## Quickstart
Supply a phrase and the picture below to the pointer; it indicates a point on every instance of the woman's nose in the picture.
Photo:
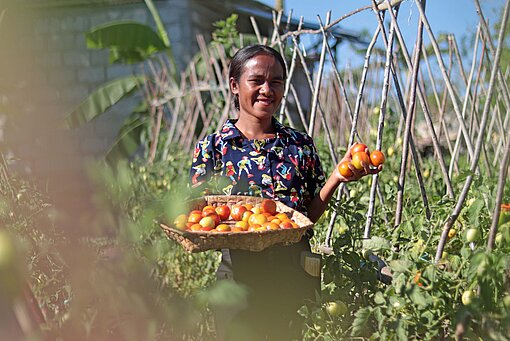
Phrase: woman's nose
(265, 88)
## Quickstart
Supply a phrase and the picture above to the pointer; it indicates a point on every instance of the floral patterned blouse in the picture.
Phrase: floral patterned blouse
(285, 168)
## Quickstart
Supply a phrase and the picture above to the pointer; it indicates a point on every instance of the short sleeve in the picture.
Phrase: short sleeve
(202, 166)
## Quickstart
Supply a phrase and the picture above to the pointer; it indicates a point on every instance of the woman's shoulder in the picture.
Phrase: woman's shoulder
(294, 133)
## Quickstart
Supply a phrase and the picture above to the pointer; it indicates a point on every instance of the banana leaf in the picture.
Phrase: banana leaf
(129, 42)
(128, 139)
(101, 100)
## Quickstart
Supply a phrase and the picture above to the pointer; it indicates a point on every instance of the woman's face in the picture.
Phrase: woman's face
(260, 86)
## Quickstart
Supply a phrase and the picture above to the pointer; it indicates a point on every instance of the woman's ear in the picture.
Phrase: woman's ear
(233, 86)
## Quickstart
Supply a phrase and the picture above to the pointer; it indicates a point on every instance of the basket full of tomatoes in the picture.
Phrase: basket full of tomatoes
(236, 222)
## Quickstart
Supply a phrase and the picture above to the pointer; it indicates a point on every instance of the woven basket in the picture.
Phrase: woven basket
(197, 241)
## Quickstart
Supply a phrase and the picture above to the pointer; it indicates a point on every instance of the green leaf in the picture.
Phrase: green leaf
(418, 298)
(474, 211)
(128, 139)
(360, 320)
(102, 99)
(129, 41)
(400, 265)
(376, 244)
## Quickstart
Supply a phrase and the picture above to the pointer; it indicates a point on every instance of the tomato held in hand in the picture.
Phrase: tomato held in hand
(360, 160)
(377, 158)
(359, 148)
(344, 170)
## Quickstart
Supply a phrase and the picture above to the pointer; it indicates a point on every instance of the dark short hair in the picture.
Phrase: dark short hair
(240, 58)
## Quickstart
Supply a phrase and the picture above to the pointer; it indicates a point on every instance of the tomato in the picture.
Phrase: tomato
(467, 297)
(240, 226)
(237, 212)
(208, 209)
(286, 224)
(180, 221)
(506, 301)
(282, 216)
(499, 238)
(417, 279)
(196, 227)
(248, 206)
(259, 219)
(246, 215)
(472, 235)
(271, 226)
(195, 216)
(377, 158)
(452, 233)
(268, 206)
(359, 148)
(390, 151)
(359, 160)
(336, 308)
(223, 212)
(344, 170)
(207, 223)
(223, 228)
(213, 215)
(256, 209)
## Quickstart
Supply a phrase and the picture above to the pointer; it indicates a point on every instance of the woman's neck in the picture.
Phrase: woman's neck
(254, 128)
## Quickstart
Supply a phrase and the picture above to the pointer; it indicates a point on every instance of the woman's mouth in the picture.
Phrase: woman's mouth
(265, 101)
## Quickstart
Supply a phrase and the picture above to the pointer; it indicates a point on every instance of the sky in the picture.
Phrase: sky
(445, 16)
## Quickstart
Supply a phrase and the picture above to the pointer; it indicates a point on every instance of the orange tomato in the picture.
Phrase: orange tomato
(223, 228)
(237, 212)
(360, 159)
(208, 209)
(377, 158)
(268, 206)
(248, 206)
(196, 227)
(194, 217)
(213, 215)
(271, 226)
(344, 170)
(180, 221)
(282, 216)
(207, 223)
(241, 225)
(286, 224)
(258, 219)
(359, 148)
(246, 215)
(223, 212)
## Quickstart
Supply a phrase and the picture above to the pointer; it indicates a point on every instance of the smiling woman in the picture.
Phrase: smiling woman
(258, 156)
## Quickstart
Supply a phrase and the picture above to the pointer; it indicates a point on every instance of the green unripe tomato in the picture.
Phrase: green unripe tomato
(467, 297)
(336, 308)
(472, 235)
(499, 238)
(506, 301)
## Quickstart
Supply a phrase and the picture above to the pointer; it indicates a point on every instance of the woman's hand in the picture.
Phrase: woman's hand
(356, 173)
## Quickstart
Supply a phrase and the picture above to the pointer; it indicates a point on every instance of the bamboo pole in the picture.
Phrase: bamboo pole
(448, 83)
(353, 132)
(318, 80)
(467, 185)
(380, 127)
(428, 120)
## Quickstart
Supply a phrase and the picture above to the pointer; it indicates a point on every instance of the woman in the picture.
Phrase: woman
(256, 155)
